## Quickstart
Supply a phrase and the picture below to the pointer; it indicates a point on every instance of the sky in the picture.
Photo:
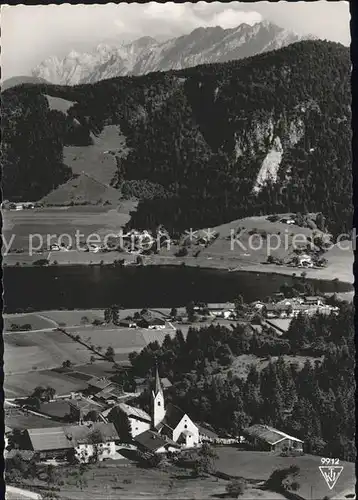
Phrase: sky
(30, 34)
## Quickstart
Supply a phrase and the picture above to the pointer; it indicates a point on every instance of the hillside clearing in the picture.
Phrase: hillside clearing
(98, 159)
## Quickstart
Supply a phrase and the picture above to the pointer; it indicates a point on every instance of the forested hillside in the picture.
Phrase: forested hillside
(270, 133)
(315, 403)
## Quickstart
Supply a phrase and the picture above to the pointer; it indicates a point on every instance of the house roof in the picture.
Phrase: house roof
(99, 383)
(312, 298)
(268, 434)
(165, 383)
(63, 438)
(56, 408)
(7, 429)
(85, 404)
(110, 390)
(131, 411)
(227, 305)
(80, 433)
(153, 441)
(54, 438)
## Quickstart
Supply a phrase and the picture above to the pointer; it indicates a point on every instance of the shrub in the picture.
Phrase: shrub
(235, 488)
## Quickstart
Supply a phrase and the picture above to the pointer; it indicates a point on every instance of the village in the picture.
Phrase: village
(106, 420)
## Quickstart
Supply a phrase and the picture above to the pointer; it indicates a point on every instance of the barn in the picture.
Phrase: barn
(264, 438)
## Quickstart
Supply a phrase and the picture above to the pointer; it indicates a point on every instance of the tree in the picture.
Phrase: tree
(108, 315)
(190, 311)
(80, 479)
(95, 438)
(205, 461)
(284, 479)
(235, 488)
(67, 364)
(110, 353)
(93, 416)
(92, 359)
(173, 312)
(122, 424)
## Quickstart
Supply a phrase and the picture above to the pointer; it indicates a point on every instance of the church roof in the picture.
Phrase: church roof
(173, 416)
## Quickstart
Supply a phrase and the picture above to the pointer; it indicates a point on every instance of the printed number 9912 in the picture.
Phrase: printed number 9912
(330, 461)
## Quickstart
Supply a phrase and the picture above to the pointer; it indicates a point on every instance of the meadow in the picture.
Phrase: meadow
(259, 465)
(56, 221)
(125, 480)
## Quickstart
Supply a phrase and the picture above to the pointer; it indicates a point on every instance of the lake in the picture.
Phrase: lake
(86, 287)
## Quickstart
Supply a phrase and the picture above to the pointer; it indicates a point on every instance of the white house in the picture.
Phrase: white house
(222, 310)
(139, 420)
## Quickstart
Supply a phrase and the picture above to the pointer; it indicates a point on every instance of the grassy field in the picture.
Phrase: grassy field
(34, 358)
(98, 160)
(25, 352)
(241, 364)
(19, 419)
(73, 318)
(252, 257)
(259, 465)
(37, 321)
(59, 221)
(123, 340)
(82, 189)
(124, 480)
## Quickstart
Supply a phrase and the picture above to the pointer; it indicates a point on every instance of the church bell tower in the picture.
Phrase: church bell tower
(158, 409)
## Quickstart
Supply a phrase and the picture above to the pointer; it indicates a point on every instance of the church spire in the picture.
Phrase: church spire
(158, 409)
(158, 385)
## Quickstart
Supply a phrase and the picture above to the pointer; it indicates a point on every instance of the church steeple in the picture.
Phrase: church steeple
(158, 410)
(158, 385)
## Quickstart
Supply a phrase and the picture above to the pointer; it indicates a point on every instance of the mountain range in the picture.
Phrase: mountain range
(198, 146)
(201, 46)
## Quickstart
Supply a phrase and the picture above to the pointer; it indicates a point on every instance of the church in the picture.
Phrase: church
(168, 428)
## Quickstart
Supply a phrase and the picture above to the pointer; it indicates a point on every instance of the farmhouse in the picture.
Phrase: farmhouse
(139, 420)
(80, 408)
(128, 323)
(277, 311)
(265, 438)
(150, 441)
(152, 323)
(222, 310)
(98, 384)
(142, 384)
(314, 301)
(206, 435)
(109, 394)
(80, 439)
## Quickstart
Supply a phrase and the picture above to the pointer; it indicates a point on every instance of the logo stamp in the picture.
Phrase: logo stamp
(331, 470)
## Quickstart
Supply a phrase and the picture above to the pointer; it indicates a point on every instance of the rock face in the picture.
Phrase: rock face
(201, 46)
